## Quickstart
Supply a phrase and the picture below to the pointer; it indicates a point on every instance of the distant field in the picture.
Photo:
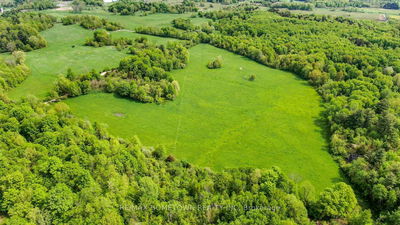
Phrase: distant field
(367, 13)
(48, 63)
(221, 119)
(131, 22)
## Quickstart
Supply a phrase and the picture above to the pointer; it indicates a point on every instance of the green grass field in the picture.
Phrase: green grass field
(221, 119)
(48, 63)
(131, 22)
(365, 13)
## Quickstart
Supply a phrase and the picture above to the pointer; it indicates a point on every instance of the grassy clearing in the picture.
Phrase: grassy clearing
(220, 118)
(367, 13)
(47, 63)
(223, 120)
(131, 22)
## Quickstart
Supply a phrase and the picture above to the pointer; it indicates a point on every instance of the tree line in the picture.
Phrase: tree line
(91, 22)
(130, 7)
(59, 169)
(293, 6)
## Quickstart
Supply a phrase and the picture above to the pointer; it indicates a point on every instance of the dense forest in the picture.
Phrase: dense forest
(354, 65)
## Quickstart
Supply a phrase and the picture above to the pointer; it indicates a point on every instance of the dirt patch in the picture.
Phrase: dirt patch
(64, 6)
(119, 114)
(67, 8)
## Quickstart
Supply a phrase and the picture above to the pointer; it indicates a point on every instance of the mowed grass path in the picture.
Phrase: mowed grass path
(221, 119)
(66, 50)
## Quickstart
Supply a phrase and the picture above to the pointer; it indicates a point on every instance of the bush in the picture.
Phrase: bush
(252, 77)
(100, 38)
(216, 63)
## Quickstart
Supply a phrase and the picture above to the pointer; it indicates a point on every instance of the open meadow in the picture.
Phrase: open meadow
(219, 120)
(66, 50)
(188, 112)
(222, 120)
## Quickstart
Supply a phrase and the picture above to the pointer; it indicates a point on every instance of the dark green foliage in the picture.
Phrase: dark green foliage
(252, 77)
(293, 6)
(193, 37)
(335, 202)
(103, 38)
(100, 38)
(220, 14)
(38, 5)
(142, 76)
(91, 22)
(391, 5)
(21, 31)
(130, 7)
(93, 2)
(62, 170)
(184, 24)
(341, 4)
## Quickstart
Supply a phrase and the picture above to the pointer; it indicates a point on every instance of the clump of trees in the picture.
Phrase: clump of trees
(38, 5)
(194, 37)
(19, 5)
(221, 14)
(20, 31)
(182, 23)
(103, 38)
(90, 22)
(391, 5)
(13, 70)
(130, 7)
(142, 77)
(215, 63)
(293, 6)
(100, 38)
(93, 2)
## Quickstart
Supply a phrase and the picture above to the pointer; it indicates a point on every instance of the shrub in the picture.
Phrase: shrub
(216, 63)
(252, 77)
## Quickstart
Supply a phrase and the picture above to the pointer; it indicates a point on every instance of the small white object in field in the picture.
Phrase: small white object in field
(241, 68)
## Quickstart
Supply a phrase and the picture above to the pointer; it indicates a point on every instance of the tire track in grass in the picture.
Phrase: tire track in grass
(178, 126)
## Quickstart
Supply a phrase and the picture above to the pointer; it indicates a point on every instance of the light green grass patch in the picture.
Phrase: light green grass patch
(131, 22)
(66, 50)
(221, 119)
(366, 14)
